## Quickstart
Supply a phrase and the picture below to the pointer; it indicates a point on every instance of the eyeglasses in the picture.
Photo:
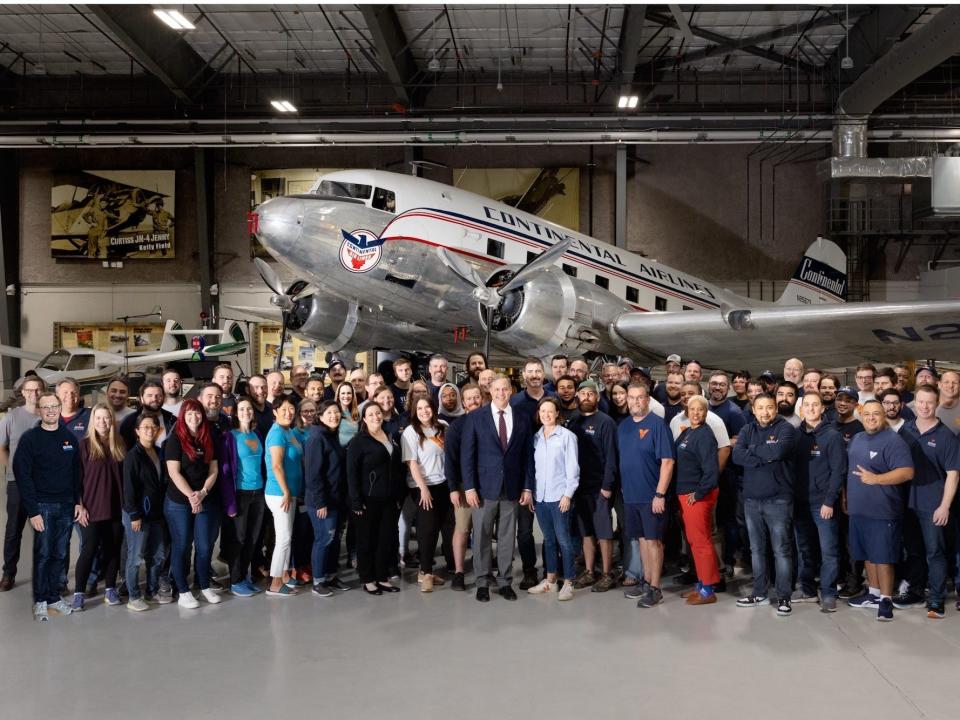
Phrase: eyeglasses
(49, 407)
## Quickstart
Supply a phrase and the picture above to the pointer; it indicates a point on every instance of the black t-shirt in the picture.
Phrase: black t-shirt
(195, 471)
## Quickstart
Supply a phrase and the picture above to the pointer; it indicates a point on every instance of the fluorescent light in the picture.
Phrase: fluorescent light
(628, 101)
(623, 102)
(283, 106)
(288, 106)
(174, 19)
(634, 101)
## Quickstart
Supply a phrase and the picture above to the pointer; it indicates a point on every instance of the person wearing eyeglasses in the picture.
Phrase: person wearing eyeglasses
(12, 427)
(865, 374)
(47, 467)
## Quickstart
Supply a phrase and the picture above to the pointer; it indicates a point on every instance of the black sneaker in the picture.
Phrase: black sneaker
(410, 560)
(720, 587)
(686, 578)
(635, 592)
(885, 610)
(322, 590)
(935, 611)
(783, 607)
(849, 591)
(458, 582)
(752, 601)
(337, 584)
(650, 598)
(530, 579)
(907, 600)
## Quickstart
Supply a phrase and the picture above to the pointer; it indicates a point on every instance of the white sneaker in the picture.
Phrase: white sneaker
(544, 586)
(138, 605)
(40, 612)
(188, 601)
(566, 592)
(210, 595)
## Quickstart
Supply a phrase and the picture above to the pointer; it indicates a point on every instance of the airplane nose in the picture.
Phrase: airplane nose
(279, 224)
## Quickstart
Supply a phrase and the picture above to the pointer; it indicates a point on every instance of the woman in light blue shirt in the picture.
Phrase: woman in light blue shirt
(554, 473)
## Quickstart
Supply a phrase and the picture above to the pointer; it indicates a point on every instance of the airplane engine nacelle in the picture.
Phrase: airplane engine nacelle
(553, 312)
(332, 322)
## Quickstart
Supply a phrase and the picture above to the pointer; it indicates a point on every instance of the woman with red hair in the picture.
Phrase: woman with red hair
(192, 505)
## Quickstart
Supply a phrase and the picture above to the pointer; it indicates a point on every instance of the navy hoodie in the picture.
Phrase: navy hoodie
(821, 465)
(766, 456)
(325, 469)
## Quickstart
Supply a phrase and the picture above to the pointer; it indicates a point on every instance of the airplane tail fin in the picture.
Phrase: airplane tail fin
(821, 276)
(172, 341)
(232, 332)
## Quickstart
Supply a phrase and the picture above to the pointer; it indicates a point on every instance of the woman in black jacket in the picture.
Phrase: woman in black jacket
(375, 478)
(325, 492)
(144, 487)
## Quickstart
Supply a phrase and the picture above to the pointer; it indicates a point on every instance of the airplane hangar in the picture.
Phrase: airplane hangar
(137, 143)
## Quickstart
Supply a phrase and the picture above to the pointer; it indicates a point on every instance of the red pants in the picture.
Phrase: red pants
(698, 523)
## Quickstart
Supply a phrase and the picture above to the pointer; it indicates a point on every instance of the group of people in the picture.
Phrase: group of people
(819, 489)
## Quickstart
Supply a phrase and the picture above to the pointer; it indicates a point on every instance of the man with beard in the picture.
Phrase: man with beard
(263, 410)
(558, 368)
(299, 377)
(151, 400)
(567, 394)
(485, 381)
(949, 408)
(845, 407)
(579, 370)
(476, 364)
(403, 371)
(828, 393)
(886, 379)
(893, 408)
(276, 386)
(314, 390)
(726, 508)
(437, 369)
(672, 406)
(672, 365)
(117, 393)
(851, 573)
(597, 450)
(472, 398)
(533, 392)
(223, 376)
(787, 403)
(173, 391)
(337, 372)
(811, 383)
(610, 376)
(903, 383)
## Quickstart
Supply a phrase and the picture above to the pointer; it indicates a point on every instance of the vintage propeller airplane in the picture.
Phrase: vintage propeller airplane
(398, 262)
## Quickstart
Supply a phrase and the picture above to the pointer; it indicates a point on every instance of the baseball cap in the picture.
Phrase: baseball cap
(849, 392)
(768, 375)
(626, 361)
(929, 369)
(642, 370)
(334, 363)
(589, 384)
(674, 358)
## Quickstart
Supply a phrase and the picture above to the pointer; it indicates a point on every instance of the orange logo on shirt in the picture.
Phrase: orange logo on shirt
(643, 433)
(253, 444)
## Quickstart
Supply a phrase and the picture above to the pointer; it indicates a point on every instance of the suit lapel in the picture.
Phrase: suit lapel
(492, 427)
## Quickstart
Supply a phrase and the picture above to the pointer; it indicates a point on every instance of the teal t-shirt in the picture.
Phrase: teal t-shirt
(348, 429)
(250, 457)
(292, 461)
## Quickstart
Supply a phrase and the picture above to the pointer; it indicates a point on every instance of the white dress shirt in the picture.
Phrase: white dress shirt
(508, 418)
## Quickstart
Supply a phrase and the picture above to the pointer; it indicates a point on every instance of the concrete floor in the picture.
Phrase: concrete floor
(443, 654)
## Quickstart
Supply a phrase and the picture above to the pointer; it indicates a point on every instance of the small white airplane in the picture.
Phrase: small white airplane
(398, 262)
(90, 367)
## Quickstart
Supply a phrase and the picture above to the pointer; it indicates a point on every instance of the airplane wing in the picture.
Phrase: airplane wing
(16, 352)
(826, 335)
(211, 351)
(271, 313)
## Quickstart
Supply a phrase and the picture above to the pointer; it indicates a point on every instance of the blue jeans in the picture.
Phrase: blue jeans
(50, 550)
(632, 561)
(774, 516)
(818, 544)
(146, 545)
(324, 532)
(926, 546)
(555, 526)
(187, 529)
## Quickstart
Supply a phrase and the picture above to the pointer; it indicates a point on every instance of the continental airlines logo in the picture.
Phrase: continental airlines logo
(360, 251)
(822, 276)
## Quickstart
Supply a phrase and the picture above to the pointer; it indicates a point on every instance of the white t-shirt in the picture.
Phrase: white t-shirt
(173, 408)
(680, 423)
(429, 455)
(656, 407)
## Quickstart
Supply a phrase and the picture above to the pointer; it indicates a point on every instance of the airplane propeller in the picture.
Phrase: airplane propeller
(283, 299)
(491, 297)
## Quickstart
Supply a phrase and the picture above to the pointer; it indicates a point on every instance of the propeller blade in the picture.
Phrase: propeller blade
(269, 276)
(460, 268)
(540, 263)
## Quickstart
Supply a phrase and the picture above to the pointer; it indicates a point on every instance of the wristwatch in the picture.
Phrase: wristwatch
(659, 495)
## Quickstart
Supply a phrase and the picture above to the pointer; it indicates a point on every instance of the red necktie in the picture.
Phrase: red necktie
(503, 431)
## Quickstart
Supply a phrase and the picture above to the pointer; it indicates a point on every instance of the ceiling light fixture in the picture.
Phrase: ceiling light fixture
(628, 101)
(283, 106)
(174, 19)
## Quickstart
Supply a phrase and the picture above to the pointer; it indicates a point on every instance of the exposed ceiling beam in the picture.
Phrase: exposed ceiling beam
(732, 44)
(393, 51)
(682, 22)
(163, 52)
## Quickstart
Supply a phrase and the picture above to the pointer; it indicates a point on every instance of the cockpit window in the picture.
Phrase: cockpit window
(384, 200)
(344, 189)
(57, 360)
(81, 362)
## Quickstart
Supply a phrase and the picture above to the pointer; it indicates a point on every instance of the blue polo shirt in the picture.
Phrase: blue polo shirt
(935, 452)
(642, 445)
(879, 453)
(731, 415)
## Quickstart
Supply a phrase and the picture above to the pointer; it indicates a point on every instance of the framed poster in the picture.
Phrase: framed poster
(108, 337)
(550, 193)
(113, 214)
(296, 351)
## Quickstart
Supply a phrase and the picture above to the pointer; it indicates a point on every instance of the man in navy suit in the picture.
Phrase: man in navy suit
(496, 443)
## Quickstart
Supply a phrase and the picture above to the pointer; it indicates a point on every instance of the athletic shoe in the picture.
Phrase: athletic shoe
(165, 596)
(77, 604)
(59, 608)
(530, 579)
(188, 601)
(40, 612)
(293, 583)
(138, 605)
(241, 590)
(214, 583)
(688, 577)
(828, 605)
(635, 592)
(721, 586)
(410, 561)
(338, 585)
(783, 607)
(850, 591)
(566, 592)
(607, 581)
(866, 600)
(751, 601)
(584, 579)
(802, 596)
(248, 584)
(151, 599)
(885, 610)
(321, 590)
(458, 583)
(651, 597)
(935, 611)
(543, 587)
(111, 597)
(210, 595)
(907, 600)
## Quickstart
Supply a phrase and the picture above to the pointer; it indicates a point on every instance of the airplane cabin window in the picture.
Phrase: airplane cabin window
(81, 362)
(570, 270)
(530, 255)
(602, 281)
(57, 360)
(687, 307)
(495, 248)
(384, 200)
(633, 295)
(661, 303)
(344, 190)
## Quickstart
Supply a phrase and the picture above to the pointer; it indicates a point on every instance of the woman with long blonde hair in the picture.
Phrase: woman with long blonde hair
(101, 460)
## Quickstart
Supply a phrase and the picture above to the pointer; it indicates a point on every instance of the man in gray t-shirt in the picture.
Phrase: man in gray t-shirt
(12, 427)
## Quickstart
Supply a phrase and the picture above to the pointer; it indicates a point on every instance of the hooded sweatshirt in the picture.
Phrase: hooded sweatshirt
(766, 456)
(821, 465)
